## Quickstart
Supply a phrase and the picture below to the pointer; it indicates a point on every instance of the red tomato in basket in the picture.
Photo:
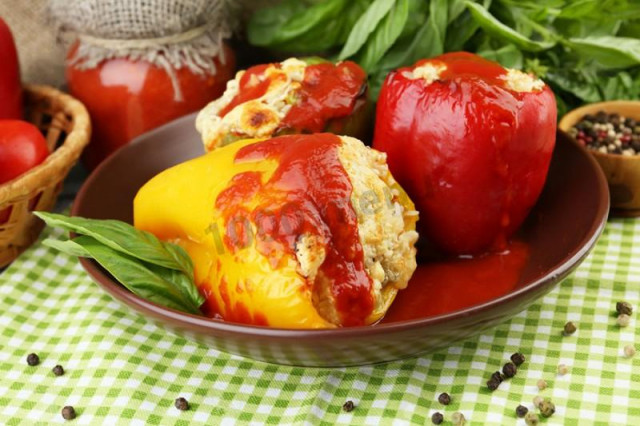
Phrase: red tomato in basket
(10, 88)
(22, 147)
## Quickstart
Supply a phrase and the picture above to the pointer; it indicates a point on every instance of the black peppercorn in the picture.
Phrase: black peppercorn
(68, 413)
(348, 406)
(58, 370)
(569, 328)
(517, 358)
(497, 377)
(33, 359)
(521, 411)
(509, 369)
(444, 398)
(493, 384)
(624, 308)
(437, 418)
(182, 404)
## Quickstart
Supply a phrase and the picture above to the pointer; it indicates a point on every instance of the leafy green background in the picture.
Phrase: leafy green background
(587, 50)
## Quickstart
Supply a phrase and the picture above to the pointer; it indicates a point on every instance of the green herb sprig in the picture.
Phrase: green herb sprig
(155, 270)
(587, 50)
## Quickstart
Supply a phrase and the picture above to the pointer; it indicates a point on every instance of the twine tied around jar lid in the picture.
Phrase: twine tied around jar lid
(170, 34)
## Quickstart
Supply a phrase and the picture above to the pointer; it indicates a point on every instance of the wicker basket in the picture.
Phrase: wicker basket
(67, 128)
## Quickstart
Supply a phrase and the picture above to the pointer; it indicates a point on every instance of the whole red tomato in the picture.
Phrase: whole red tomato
(22, 147)
(470, 142)
(10, 88)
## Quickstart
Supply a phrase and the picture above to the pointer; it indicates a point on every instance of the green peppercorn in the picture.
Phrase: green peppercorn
(437, 418)
(458, 419)
(569, 328)
(624, 308)
(531, 418)
(547, 408)
(521, 411)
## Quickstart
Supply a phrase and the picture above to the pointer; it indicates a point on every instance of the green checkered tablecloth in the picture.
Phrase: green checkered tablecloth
(121, 369)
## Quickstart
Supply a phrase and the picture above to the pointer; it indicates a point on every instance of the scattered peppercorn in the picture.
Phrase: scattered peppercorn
(444, 398)
(33, 359)
(181, 404)
(437, 418)
(608, 133)
(629, 351)
(348, 406)
(542, 384)
(58, 370)
(458, 419)
(509, 369)
(569, 328)
(497, 377)
(68, 413)
(537, 400)
(562, 369)
(547, 408)
(521, 411)
(623, 320)
(493, 384)
(517, 358)
(531, 418)
(624, 308)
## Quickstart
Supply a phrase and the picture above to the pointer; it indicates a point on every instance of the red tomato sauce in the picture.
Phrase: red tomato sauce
(308, 193)
(441, 287)
(326, 92)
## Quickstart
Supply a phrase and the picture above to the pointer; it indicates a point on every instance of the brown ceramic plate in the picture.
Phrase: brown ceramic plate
(559, 233)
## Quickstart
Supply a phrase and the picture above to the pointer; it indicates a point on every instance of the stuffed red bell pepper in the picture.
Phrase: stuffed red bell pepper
(471, 142)
(294, 96)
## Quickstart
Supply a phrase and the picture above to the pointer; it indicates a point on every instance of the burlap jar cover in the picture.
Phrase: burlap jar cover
(170, 34)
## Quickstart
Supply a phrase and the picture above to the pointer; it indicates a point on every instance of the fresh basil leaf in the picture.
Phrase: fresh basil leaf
(150, 282)
(384, 36)
(437, 25)
(499, 30)
(610, 52)
(365, 26)
(460, 31)
(126, 239)
(508, 56)
(575, 84)
(427, 42)
(69, 247)
(620, 86)
(266, 22)
(579, 9)
(311, 18)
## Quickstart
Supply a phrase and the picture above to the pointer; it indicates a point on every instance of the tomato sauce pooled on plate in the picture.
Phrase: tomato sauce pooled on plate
(440, 287)
(308, 193)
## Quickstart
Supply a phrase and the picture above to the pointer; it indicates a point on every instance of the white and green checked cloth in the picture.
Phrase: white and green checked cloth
(121, 369)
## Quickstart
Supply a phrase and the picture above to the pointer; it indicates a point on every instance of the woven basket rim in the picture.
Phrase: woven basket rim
(60, 158)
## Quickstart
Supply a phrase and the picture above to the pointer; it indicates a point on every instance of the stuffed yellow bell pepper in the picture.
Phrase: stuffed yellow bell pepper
(297, 231)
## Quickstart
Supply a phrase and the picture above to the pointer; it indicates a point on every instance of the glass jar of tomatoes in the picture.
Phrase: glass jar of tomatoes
(128, 97)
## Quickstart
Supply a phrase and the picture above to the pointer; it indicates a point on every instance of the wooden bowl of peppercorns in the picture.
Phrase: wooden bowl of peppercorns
(610, 131)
